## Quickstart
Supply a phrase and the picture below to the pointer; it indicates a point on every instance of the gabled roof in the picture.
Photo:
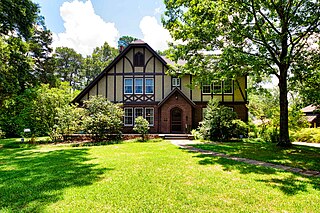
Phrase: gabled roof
(310, 108)
(137, 43)
(174, 91)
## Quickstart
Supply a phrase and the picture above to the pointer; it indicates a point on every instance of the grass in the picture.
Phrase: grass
(144, 177)
(303, 157)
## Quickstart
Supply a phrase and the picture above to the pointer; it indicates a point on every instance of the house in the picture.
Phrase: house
(312, 114)
(137, 78)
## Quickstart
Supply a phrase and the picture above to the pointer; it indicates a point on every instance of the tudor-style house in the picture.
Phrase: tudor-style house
(137, 78)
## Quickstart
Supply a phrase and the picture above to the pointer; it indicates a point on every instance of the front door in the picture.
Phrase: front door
(176, 120)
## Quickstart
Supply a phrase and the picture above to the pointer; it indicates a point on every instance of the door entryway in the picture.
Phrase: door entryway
(176, 120)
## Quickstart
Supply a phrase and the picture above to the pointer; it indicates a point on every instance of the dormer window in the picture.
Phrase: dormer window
(176, 82)
(138, 60)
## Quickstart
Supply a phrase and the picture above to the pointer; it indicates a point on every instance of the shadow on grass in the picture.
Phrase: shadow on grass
(291, 185)
(30, 180)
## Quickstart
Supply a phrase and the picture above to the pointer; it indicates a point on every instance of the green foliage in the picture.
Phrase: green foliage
(218, 122)
(258, 38)
(68, 120)
(18, 16)
(2, 133)
(35, 109)
(126, 40)
(103, 118)
(68, 66)
(141, 125)
(310, 135)
(94, 64)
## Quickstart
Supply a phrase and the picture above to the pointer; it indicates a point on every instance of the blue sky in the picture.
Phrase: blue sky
(85, 24)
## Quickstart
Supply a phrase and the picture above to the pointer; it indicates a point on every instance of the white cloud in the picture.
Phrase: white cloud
(154, 34)
(84, 30)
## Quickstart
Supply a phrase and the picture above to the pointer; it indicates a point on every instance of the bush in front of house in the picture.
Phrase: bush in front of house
(141, 126)
(102, 119)
(221, 123)
(309, 135)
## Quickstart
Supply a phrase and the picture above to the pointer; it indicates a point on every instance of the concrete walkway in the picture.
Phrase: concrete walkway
(307, 144)
(185, 144)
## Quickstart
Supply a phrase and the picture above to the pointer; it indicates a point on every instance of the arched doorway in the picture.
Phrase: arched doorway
(176, 120)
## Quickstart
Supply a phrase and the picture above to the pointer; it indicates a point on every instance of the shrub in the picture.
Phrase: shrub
(102, 118)
(68, 121)
(217, 123)
(240, 128)
(310, 135)
(141, 126)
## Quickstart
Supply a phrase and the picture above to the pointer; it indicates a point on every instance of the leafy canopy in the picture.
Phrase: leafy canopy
(244, 37)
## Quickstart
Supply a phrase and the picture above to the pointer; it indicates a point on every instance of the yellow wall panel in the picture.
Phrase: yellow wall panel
(185, 82)
(158, 88)
(102, 87)
(110, 84)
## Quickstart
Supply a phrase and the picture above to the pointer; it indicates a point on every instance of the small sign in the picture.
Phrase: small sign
(26, 130)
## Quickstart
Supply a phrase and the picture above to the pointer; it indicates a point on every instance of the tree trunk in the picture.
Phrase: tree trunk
(284, 140)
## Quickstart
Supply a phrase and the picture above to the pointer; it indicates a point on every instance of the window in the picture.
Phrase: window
(149, 115)
(138, 86)
(176, 82)
(227, 87)
(217, 89)
(138, 60)
(128, 117)
(206, 89)
(138, 112)
(149, 86)
(128, 85)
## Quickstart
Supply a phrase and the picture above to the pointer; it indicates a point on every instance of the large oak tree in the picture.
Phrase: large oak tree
(251, 37)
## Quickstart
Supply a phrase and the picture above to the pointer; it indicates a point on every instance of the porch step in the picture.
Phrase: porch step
(176, 136)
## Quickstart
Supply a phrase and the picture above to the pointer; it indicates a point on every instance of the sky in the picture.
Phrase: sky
(86, 24)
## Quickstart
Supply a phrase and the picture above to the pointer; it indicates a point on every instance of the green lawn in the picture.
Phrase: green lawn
(303, 157)
(144, 177)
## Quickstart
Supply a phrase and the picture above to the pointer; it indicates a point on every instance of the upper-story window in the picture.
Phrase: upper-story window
(227, 87)
(128, 86)
(217, 87)
(176, 82)
(206, 89)
(138, 85)
(149, 86)
(138, 59)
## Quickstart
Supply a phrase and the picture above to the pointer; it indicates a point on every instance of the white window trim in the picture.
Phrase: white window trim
(145, 85)
(220, 83)
(124, 87)
(124, 117)
(145, 114)
(210, 89)
(135, 110)
(176, 82)
(135, 86)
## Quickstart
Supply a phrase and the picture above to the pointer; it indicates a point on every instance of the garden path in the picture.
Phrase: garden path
(186, 144)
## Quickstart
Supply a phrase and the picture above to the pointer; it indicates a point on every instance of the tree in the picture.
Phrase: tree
(68, 66)
(141, 126)
(35, 108)
(40, 51)
(18, 16)
(246, 37)
(126, 40)
(218, 122)
(100, 59)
